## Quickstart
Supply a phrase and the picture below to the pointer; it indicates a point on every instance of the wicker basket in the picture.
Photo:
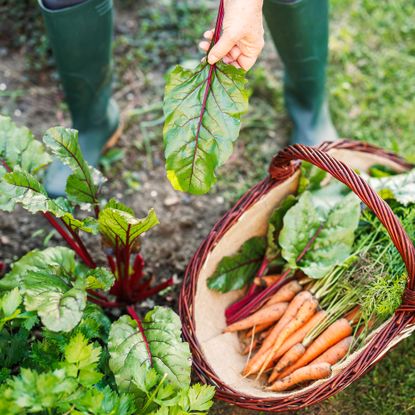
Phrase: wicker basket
(216, 356)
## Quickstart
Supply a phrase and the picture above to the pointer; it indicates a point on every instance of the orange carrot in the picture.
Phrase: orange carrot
(255, 364)
(336, 352)
(266, 280)
(287, 360)
(249, 347)
(306, 373)
(305, 312)
(299, 335)
(332, 335)
(286, 293)
(267, 314)
(258, 329)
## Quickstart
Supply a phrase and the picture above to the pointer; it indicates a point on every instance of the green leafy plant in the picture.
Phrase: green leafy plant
(202, 109)
(23, 160)
(59, 352)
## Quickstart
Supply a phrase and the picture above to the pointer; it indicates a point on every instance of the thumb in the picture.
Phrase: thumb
(220, 49)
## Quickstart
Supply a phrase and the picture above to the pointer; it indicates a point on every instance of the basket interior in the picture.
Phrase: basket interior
(222, 351)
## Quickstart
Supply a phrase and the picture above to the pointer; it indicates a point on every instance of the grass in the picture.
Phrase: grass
(371, 89)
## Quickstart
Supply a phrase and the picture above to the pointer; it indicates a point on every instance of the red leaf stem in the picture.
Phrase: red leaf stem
(134, 315)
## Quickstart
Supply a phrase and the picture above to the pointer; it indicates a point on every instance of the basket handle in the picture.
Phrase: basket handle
(286, 162)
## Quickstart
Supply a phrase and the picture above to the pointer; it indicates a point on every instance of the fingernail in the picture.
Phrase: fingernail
(212, 59)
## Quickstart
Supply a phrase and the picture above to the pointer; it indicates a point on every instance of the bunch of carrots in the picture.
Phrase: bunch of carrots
(283, 339)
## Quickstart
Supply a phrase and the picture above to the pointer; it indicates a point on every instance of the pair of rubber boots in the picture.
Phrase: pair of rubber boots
(81, 33)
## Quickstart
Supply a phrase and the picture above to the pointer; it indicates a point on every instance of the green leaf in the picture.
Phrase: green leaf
(99, 279)
(235, 271)
(334, 241)
(10, 302)
(202, 108)
(310, 178)
(129, 357)
(275, 224)
(59, 259)
(59, 306)
(84, 183)
(81, 360)
(119, 225)
(400, 187)
(19, 148)
(200, 398)
(38, 392)
(25, 189)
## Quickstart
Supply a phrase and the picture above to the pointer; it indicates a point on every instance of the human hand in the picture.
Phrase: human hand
(242, 38)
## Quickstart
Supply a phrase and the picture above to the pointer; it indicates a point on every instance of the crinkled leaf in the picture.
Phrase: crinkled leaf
(115, 204)
(202, 108)
(10, 302)
(83, 184)
(59, 260)
(275, 224)
(118, 224)
(25, 189)
(59, 306)
(335, 234)
(19, 148)
(235, 271)
(99, 279)
(200, 398)
(129, 357)
(400, 187)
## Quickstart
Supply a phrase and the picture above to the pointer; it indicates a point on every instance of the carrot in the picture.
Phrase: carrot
(336, 352)
(267, 280)
(264, 315)
(305, 312)
(306, 373)
(332, 335)
(300, 334)
(287, 360)
(286, 293)
(255, 364)
(258, 329)
(249, 347)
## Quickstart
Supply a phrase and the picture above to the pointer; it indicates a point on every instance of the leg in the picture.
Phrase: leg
(299, 29)
(81, 38)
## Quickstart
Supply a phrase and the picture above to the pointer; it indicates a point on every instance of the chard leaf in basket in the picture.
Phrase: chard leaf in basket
(235, 271)
(84, 182)
(275, 224)
(311, 177)
(129, 358)
(322, 242)
(202, 108)
(400, 187)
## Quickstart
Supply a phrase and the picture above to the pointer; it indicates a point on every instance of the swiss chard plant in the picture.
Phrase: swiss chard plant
(59, 352)
(202, 108)
(116, 227)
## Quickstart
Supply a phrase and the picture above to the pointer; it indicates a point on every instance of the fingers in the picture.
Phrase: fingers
(204, 45)
(221, 49)
(246, 62)
(208, 35)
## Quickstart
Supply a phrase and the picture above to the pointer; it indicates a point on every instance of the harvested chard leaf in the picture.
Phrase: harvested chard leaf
(400, 187)
(275, 224)
(83, 184)
(327, 239)
(128, 353)
(202, 108)
(237, 270)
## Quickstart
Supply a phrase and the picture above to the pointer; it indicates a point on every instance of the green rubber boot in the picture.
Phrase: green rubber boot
(299, 29)
(81, 40)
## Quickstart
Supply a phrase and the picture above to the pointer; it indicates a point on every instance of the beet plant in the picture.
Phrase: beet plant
(59, 352)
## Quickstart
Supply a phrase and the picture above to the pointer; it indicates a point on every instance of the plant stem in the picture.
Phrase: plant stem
(81, 244)
(134, 315)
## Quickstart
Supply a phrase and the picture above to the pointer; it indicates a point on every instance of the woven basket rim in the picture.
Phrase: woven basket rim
(398, 327)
